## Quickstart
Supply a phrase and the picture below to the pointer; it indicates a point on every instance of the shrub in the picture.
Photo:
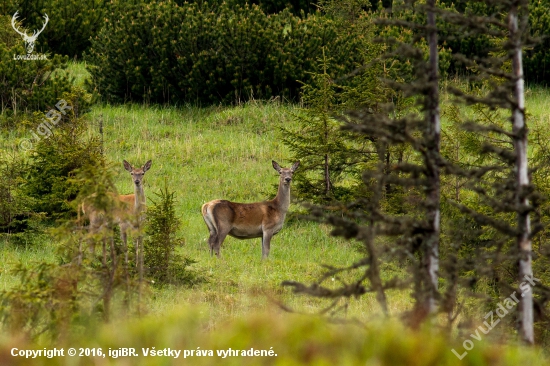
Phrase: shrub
(268, 6)
(163, 52)
(162, 264)
(73, 23)
(14, 213)
(55, 158)
(43, 301)
(537, 60)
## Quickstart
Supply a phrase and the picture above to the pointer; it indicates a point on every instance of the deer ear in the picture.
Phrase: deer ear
(276, 166)
(295, 166)
(147, 166)
(127, 166)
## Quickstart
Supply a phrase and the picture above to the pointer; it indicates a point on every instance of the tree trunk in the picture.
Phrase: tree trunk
(520, 145)
(327, 177)
(431, 250)
(388, 187)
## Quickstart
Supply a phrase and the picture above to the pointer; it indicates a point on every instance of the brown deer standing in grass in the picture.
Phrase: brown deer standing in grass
(249, 220)
(129, 207)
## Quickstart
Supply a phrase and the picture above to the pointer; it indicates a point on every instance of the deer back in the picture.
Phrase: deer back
(247, 217)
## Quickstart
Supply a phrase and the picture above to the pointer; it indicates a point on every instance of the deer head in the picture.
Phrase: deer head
(29, 40)
(137, 173)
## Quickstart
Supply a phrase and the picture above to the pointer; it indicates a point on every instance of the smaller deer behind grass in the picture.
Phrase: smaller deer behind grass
(249, 220)
(129, 208)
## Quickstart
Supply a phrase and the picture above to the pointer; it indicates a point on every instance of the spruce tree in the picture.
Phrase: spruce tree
(411, 236)
(498, 199)
(327, 154)
(162, 264)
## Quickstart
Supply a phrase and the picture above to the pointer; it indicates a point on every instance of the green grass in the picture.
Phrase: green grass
(76, 70)
(223, 153)
(226, 153)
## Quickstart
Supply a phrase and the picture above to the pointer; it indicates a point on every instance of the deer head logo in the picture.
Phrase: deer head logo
(29, 40)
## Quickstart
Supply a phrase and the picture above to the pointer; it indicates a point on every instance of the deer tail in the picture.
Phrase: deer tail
(208, 217)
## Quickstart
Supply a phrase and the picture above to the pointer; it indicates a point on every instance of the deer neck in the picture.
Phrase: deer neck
(139, 194)
(283, 197)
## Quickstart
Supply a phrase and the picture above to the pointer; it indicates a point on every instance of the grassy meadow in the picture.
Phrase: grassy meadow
(226, 152)
(206, 154)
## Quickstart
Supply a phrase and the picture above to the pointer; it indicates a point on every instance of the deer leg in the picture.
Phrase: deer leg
(218, 243)
(266, 243)
(139, 252)
(212, 241)
(93, 227)
(123, 236)
(208, 220)
(222, 234)
(124, 239)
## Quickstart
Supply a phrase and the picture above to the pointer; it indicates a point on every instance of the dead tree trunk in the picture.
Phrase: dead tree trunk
(431, 250)
(519, 130)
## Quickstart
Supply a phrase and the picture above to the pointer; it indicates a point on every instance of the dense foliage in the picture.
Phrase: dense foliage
(163, 52)
(537, 60)
(14, 210)
(73, 25)
(268, 6)
(54, 158)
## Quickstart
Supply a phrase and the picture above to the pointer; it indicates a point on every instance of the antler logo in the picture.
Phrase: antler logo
(29, 40)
